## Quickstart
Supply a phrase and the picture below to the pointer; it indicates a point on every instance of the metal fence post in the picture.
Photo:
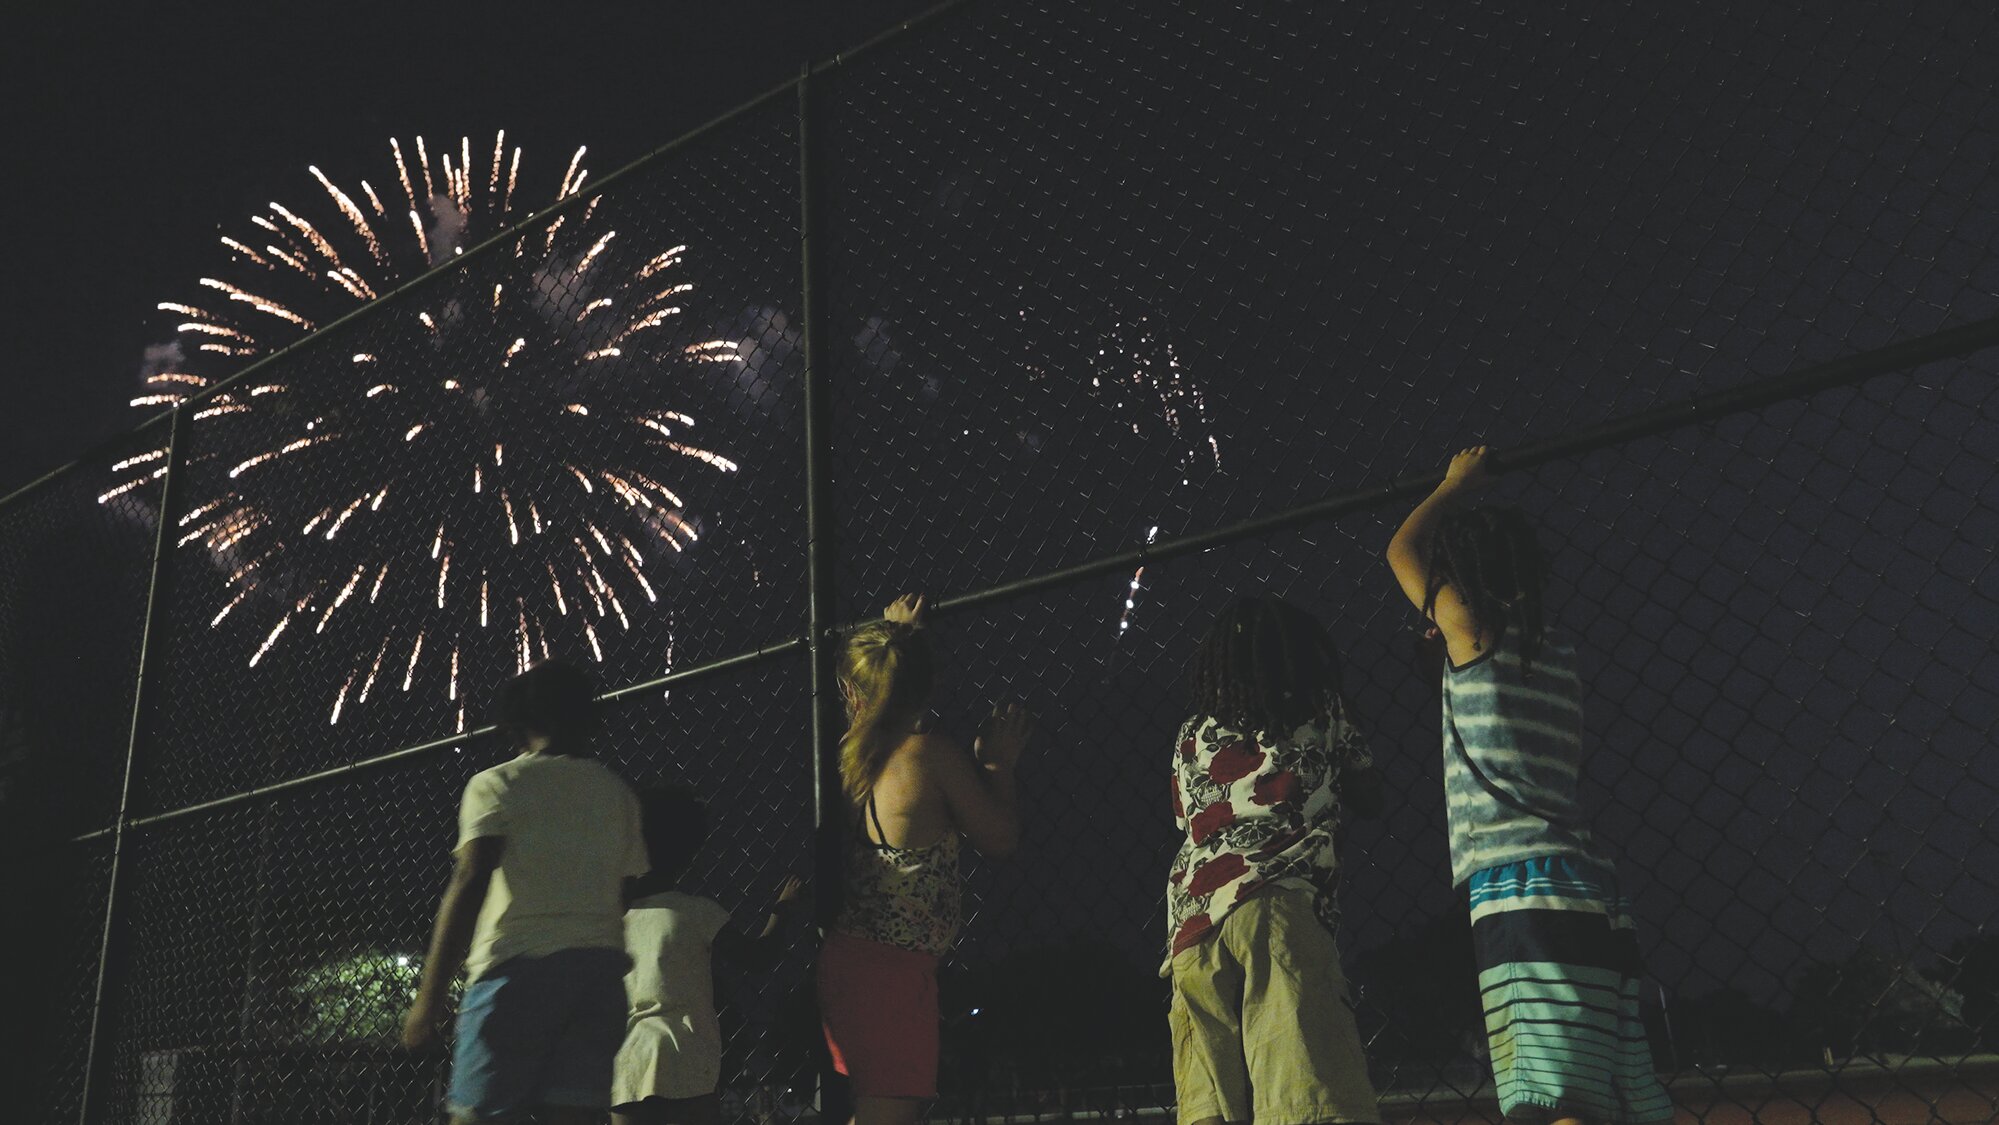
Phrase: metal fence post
(93, 1062)
(820, 556)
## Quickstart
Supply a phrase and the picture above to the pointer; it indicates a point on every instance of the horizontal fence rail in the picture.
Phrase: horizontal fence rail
(1958, 343)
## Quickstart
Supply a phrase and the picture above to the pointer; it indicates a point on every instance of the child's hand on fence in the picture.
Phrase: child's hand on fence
(789, 890)
(906, 610)
(1470, 470)
(1004, 739)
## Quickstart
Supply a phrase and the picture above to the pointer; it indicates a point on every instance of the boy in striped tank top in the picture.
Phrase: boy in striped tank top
(1557, 952)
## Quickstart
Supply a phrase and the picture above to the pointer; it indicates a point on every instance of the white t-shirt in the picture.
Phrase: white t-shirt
(572, 836)
(673, 1044)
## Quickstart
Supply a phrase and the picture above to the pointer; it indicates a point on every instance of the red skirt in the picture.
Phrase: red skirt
(878, 1006)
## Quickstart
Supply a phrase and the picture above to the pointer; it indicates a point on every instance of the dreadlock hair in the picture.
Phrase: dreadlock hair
(886, 671)
(675, 824)
(1266, 665)
(1492, 558)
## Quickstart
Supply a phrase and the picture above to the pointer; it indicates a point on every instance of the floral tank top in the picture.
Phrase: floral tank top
(906, 897)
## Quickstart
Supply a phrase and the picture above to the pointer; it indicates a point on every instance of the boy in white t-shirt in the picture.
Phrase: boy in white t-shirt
(534, 912)
(671, 1063)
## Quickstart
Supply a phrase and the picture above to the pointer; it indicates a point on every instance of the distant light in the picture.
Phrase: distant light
(402, 962)
(975, 1011)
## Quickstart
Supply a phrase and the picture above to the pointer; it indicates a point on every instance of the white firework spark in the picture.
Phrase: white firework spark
(421, 545)
(1137, 368)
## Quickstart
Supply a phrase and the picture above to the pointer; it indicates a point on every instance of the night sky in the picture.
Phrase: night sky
(1094, 275)
(140, 132)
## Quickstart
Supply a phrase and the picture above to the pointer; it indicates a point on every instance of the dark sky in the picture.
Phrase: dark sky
(137, 132)
(1367, 235)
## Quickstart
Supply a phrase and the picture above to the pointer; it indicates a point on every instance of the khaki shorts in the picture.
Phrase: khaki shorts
(1262, 1028)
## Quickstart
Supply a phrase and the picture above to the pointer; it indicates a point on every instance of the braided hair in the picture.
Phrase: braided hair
(1492, 558)
(1266, 665)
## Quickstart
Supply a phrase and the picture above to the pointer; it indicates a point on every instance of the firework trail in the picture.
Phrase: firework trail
(1137, 367)
(494, 474)
(1137, 583)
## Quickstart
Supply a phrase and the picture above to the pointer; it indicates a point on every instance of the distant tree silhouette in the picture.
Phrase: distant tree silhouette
(1725, 1027)
(1971, 969)
(1872, 1003)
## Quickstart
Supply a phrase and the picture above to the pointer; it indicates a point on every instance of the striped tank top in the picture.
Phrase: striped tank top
(1513, 756)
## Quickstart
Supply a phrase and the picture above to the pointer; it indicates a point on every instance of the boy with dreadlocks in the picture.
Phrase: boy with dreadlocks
(1262, 1026)
(1557, 952)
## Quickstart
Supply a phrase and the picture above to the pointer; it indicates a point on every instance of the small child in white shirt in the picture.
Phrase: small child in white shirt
(671, 1063)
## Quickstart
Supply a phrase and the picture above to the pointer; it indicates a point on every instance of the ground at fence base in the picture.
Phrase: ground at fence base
(1912, 1091)
(1892, 1091)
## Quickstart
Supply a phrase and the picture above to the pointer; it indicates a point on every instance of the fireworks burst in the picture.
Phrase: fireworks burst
(1138, 368)
(494, 471)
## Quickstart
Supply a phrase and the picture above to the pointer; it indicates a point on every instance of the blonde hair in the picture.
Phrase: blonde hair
(885, 671)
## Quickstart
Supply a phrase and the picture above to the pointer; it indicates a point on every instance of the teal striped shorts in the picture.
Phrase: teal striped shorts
(1558, 971)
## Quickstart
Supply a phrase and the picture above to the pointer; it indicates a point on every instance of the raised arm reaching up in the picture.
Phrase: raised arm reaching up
(1412, 551)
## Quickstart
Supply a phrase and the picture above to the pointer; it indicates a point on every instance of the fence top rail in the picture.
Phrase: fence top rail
(1906, 355)
(1949, 343)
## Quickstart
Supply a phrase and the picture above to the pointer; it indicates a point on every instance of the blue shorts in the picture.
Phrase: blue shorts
(540, 1031)
(1558, 971)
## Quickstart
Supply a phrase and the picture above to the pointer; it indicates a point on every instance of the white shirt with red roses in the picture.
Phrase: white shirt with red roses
(1257, 811)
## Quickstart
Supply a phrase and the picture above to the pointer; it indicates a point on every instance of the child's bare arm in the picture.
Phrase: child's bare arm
(1409, 550)
(451, 937)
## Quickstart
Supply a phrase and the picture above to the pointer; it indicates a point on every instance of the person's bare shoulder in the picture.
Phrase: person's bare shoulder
(937, 756)
(928, 744)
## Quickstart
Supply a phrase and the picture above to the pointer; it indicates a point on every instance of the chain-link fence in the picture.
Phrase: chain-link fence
(1082, 318)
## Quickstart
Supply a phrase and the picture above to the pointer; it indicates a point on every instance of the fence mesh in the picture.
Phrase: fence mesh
(75, 560)
(1092, 276)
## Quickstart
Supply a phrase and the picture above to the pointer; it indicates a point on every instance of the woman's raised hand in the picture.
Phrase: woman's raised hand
(1004, 738)
(906, 610)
